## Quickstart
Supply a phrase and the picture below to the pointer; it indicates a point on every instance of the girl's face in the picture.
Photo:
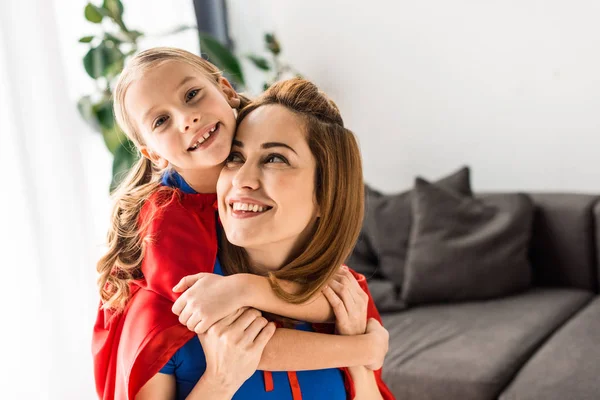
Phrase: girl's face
(185, 119)
(266, 190)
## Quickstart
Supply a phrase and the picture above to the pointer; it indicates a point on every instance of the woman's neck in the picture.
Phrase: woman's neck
(272, 257)
(202, 181)
(267, 258)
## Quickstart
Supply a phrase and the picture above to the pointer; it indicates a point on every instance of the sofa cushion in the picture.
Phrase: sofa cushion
(363, 258)
(463, 248)
(563, 247)
(388, 222)
(471, 350)
(567, 366)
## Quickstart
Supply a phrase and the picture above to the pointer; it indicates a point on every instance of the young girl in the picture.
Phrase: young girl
(179, 112)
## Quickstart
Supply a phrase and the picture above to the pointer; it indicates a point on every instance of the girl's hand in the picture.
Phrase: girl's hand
(234, 346)
(349, 303)
(206, 299)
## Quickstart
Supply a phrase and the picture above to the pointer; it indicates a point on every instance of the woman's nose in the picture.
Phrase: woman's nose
(247, 177)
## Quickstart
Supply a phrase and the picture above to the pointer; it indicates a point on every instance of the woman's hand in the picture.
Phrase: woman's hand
(349, 303)
(234, 346)
(206, 299)
(380, 338)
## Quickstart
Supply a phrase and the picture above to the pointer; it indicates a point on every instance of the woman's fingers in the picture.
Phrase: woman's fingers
(344, 291)
(254, 329)
(243, 321)
(339, 309)
(264, 336)
(223, 324)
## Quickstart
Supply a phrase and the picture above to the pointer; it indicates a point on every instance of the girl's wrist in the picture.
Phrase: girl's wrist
(245, 285)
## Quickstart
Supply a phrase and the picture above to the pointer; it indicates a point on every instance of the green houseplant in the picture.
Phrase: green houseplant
(106, 58)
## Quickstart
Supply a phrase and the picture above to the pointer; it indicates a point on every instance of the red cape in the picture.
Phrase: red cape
(131, 347)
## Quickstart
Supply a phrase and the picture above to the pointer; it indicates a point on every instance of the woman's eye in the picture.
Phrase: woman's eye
(234, 158)
(276, 159)
(191, 94)
(159, 122)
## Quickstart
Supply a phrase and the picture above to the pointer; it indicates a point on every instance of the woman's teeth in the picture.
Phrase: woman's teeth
(248, 207)
(204, 138)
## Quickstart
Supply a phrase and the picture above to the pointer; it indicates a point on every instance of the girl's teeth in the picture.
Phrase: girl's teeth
(206, 135)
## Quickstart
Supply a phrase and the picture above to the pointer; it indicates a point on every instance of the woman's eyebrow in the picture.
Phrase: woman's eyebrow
(268, 145)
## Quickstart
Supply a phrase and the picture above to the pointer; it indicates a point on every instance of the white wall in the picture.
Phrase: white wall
(511, 88)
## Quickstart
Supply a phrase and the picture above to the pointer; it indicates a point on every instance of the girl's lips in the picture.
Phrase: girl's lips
(208, 141)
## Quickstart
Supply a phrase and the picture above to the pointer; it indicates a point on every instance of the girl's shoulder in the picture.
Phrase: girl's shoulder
(171, 207)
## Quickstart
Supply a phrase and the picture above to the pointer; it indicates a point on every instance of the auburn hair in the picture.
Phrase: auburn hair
(122, 262)
(338, 188)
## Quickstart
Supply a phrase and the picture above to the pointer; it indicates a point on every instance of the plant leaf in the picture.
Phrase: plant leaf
(272, 43)
(113, 138)
(104, 114)
(94, 62)
(99, 60)
(93, 13)
(86, 39)
(114, 8)
(220, 55)
(259, 62)
(114, 38)
(124, 157)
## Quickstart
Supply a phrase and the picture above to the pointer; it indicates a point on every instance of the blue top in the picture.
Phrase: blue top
(189, 363)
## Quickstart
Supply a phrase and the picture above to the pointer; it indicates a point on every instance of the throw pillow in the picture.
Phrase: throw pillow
(388, 221)
(463, 248)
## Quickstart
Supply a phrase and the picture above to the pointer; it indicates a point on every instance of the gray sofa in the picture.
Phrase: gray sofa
(539, 343)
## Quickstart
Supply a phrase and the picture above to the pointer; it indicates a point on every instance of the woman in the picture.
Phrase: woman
(290, 201)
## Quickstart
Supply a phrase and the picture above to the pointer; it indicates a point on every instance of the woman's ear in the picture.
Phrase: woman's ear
(230, 94)
(154, 157)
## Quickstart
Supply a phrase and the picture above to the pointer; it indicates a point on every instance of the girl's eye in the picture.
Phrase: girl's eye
(159, 122)
(234, 158)
(276, 159)
(191, 94)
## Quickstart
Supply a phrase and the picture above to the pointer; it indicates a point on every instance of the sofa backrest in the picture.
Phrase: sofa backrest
(564, 248)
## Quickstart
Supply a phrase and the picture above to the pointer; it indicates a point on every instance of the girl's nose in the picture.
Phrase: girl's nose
(190, 124)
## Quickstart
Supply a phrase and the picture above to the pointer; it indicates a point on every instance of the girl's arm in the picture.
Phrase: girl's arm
(207, 298)
(288, 350)
(294, 350)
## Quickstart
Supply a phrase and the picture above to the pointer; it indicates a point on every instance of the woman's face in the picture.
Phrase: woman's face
(185, 118)
(267, 189)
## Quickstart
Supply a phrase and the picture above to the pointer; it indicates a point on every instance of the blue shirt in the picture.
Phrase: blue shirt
(189, 362)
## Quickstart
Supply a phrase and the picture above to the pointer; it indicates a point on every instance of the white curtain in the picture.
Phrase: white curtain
(54, 196)
(48, 279)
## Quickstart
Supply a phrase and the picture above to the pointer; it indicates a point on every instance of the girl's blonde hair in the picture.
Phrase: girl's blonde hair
(121, 263)
(338, 185)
